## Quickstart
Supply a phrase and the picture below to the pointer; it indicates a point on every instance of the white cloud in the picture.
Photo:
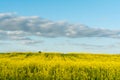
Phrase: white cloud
(29, 42)
(17, 27)
(19, 38)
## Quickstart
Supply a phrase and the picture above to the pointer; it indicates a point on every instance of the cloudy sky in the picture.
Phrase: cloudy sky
(63, 26)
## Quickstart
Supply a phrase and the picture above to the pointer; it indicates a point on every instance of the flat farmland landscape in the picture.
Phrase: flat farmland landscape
(59, 66)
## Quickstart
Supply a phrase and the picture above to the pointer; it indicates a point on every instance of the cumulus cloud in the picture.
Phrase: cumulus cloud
(17, 27)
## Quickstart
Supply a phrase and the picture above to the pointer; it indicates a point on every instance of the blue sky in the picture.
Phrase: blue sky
(64, 25)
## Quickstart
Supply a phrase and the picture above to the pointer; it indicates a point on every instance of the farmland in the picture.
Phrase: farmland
(58, 66)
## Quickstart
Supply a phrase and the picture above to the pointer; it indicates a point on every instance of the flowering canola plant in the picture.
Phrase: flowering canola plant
(58, 66)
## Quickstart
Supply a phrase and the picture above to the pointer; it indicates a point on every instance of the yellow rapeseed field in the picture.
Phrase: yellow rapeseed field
(58, 66)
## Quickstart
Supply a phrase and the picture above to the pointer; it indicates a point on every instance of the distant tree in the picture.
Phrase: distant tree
(39, 51)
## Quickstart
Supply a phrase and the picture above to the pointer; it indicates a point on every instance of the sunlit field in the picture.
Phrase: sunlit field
(58, 66)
